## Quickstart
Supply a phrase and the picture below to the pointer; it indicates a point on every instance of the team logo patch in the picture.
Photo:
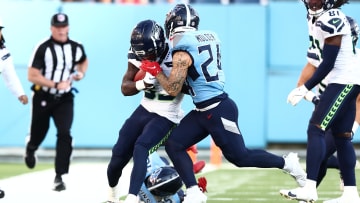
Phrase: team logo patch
(61, 17)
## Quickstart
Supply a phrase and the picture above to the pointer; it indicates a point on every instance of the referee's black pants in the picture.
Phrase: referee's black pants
(61, 109)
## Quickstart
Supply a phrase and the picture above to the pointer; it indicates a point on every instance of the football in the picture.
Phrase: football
(139, 75)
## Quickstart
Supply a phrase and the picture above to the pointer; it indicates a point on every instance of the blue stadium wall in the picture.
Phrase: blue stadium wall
(263, 52)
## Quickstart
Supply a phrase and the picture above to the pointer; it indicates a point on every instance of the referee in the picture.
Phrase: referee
(55, 63)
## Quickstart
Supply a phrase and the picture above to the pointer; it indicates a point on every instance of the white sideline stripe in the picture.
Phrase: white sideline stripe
(85, 183)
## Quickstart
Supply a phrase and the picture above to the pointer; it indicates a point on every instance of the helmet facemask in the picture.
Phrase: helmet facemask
(148, 40)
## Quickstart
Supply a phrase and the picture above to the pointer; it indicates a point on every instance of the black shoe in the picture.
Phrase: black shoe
(59, 185)
(30, 159)
(2, 194)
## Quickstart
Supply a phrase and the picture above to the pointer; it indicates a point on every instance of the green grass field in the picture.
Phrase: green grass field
(229, 184)
(13, 169)
(261, 185)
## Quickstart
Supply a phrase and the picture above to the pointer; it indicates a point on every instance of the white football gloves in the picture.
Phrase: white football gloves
(149, 79)
(297, 94)
(146, 83)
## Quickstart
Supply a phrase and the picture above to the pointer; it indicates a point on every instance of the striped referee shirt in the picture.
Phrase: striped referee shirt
(57, 61)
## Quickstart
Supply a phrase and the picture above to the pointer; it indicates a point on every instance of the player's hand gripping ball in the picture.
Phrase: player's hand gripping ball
(139, 75)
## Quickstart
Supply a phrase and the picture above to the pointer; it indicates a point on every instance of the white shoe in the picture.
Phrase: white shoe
(130, 198)
(113, 195)
(350, 195)
(300, 194)
(194, 195)
(341, 184)
(293, 167)
(343, 200)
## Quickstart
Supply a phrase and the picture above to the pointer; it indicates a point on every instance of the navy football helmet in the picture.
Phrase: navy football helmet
(181, 18)
(148, 40)
(164, 181)
(355, 31)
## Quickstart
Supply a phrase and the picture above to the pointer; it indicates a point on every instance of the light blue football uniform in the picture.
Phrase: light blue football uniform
(154, 162)
(205, 78)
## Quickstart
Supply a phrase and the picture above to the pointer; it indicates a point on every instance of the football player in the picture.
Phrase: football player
(331, 51)
(308, 70)
(8, 72)
(163, 183)
(197, 64)
(149, 125)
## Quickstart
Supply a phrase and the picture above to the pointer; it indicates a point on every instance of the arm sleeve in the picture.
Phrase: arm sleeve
(330, 53)
(11, 79)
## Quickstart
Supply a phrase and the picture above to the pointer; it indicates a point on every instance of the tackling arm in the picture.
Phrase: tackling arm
(174, 83)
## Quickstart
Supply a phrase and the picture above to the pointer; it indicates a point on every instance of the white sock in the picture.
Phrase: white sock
(350, 191)
(193, 189)
(113, 194)
(131, 198)
(310, 184)
(355, 127)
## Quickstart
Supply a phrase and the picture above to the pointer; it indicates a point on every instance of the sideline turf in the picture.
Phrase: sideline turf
(14, 169)
(262, 185)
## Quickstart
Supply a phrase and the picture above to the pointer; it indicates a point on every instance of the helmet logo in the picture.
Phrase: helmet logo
(154, 176)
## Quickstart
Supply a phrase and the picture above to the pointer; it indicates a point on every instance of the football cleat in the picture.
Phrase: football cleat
(202, 183)
(343, 200)
(30, 158)
(59, 185)
(300, 194)
(194, 195)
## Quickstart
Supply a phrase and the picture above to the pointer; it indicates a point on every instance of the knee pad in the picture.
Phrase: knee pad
(344, 135)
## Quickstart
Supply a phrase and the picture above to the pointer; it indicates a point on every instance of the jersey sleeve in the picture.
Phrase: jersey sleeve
(333, 25)
(37, 59)
(11, 78)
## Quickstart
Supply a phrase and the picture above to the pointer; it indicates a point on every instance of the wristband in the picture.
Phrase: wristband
(355, 127)
(140, 85)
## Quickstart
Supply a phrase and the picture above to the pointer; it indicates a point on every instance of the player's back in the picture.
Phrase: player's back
(205, 77)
